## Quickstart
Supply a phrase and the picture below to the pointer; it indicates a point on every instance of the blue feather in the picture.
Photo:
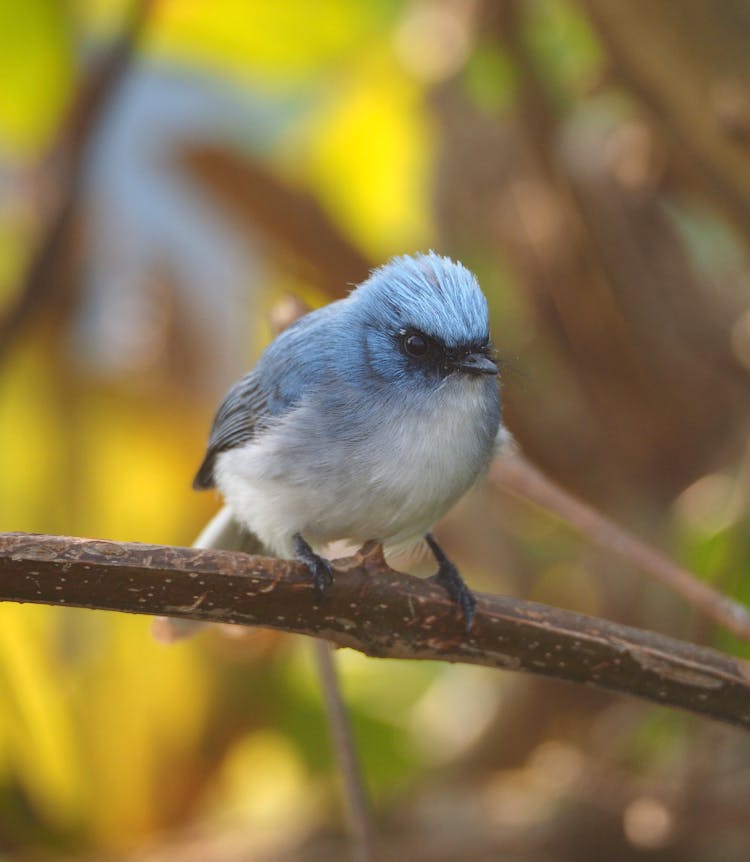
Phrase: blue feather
(346, 359)
(430, 293)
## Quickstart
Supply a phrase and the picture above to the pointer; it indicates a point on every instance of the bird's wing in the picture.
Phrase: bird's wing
(283, 376)
(242, 411)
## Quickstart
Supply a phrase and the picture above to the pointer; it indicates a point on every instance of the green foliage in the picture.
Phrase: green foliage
(564, 46)
(37, 68)
(489, 78)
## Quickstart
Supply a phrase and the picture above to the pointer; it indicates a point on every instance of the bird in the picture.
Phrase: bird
(365, 420)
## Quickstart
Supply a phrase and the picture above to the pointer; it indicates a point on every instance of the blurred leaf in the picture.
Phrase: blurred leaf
(713, 246)
(30, 456)
(564, 45)
(151, 465)
(368, 158)
(490, 78)
(146, 706)
(260, 782)
(276, 45)
(380, 699)
(101, 18)
(659, 740)
(35, 55)
(40, 737)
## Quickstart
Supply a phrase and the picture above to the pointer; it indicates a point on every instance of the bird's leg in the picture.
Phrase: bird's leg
(319, 567)
(450, 579)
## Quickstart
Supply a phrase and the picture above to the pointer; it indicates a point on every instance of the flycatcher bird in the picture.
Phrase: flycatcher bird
(366, 419)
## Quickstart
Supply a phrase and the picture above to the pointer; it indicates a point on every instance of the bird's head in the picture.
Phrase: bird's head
(424, 319)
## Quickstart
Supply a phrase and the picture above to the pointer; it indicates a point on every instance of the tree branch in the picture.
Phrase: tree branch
(375, 610)
(292, 219)
(516, 474)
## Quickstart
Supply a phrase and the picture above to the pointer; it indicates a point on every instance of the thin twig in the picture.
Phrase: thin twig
(358, 805)
(514, 473)
(376, 610)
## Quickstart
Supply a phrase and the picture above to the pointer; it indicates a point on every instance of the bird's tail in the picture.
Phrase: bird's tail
(222, 533)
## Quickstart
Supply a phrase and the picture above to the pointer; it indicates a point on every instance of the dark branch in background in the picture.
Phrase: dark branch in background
(292, 219)
(709, 128)
(376, 610)
(66, 162)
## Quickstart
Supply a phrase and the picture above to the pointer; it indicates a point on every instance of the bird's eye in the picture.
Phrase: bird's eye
(416, 344)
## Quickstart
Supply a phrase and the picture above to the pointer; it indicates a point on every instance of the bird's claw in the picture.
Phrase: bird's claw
(320, 569)
(322, 574)
(451, 581)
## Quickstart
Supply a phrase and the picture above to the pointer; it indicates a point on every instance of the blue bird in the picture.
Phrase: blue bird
(365, 420)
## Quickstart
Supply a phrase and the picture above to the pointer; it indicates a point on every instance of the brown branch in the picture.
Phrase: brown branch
(375, 610)
(514, 473)
(290, 218)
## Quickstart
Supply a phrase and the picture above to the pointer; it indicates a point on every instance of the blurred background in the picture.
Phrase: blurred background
(170, 173)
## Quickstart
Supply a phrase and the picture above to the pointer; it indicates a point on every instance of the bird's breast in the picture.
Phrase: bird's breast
(384, 471)
(427, 453)
(453, 431)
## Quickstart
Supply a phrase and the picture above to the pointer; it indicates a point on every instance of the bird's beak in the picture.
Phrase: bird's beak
(475, 363)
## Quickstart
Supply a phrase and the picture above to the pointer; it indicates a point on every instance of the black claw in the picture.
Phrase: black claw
(450, 579)
(319, 568)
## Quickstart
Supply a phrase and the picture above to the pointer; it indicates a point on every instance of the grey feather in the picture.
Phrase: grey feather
(240, 415)
(284, 374)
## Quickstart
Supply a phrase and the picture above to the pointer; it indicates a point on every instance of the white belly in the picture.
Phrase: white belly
(391, 484)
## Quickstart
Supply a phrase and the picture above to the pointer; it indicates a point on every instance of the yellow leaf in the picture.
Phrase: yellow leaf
(36, 68)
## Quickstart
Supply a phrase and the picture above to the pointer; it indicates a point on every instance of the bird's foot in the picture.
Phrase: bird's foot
(319, 568)
(450, 579)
